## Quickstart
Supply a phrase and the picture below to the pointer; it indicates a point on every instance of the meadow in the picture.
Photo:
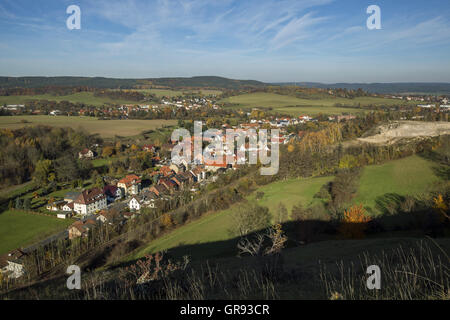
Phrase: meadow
(297, 106)
(18, 229)
(105, 128)
(408, 176)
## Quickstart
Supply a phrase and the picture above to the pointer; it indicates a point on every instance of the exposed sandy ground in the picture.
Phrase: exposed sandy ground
(395, 131)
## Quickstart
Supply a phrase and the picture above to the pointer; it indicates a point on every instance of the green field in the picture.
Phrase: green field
(18, 229)
(290, 192)
(408, 176)
(296, 106)
(80, 97)
(215, 226)
(106, 128)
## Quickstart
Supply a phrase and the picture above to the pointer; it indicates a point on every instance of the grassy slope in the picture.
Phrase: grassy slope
(291, 192)
(215, 226)
(410, 175)
(406, 176)
(296, 106)
(106, 128)
(18, 229)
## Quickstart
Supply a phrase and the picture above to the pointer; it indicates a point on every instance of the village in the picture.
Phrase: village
(122, 200)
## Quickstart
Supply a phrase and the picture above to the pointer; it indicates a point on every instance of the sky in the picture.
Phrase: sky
(268, 40)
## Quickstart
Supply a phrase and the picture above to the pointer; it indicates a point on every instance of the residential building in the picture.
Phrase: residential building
(86, 154)
(112, 193)
(131, 184)
(144, 200)
(81, 228)
(90, 201)
(159, 189)
(56, 206)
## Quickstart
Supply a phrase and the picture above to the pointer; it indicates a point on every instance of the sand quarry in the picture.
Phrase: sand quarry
(398, 130)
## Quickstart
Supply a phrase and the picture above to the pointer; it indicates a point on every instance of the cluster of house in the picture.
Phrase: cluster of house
(428, 106)
(83, 203)
(101, 205)
(422, 98)
(13, 107)
(277, 122)
(189, 104)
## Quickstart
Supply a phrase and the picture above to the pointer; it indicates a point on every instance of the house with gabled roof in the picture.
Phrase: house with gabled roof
(81, 228)
(144, 200)
(166, 171)
(169, 184)
(86, 154)
(159, 189)
(199, 173)
(108, 216)
(131, 184)
(90, 201)
(112, 193)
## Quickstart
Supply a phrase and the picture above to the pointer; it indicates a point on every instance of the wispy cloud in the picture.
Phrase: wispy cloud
(297, 29)
(254, 38)
(265, 24)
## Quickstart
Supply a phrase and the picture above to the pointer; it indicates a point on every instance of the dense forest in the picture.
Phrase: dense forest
(98, 82)
(26, 153)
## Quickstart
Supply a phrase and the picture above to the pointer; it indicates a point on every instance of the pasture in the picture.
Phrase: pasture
(105, 128)
(18, 229)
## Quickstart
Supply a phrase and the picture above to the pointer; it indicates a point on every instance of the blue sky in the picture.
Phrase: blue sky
(267, 40)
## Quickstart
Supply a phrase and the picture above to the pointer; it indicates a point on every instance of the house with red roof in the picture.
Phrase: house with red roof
(131, 184)
(86, 154)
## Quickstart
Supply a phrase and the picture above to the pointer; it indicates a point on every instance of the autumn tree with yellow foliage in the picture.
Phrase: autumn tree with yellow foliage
(354, 222)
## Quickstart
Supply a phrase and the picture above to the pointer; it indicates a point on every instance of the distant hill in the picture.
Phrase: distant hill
(99, 82)
(397, 87)
(215, 82)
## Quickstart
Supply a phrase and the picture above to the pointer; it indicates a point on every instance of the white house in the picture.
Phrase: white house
(63, 215)
(56, 206)
(90, 201)
(145, 200)
(68, 207)
(86, 154)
